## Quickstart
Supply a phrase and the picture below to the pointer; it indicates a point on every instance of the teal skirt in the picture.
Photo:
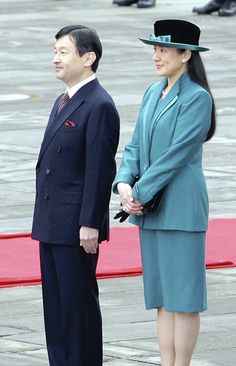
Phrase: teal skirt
(174, 274)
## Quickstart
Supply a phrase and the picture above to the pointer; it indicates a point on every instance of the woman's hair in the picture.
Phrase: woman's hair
(197, 73)
(85, 40)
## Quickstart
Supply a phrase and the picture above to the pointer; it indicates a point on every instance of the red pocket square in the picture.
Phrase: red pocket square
(69, 124)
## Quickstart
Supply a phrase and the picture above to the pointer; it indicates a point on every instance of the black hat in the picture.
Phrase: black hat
(176, 33)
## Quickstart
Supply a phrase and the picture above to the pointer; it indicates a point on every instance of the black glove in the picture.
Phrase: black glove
(122, 215)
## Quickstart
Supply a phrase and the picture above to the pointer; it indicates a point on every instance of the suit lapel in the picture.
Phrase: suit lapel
(53, 113)
(148, 115)
(56, 121)
(160, 108)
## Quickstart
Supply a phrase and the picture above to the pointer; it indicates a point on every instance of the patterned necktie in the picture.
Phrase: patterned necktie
(65, 98)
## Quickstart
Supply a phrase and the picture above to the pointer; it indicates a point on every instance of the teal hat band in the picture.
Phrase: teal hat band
(152, 37)
(165, 41)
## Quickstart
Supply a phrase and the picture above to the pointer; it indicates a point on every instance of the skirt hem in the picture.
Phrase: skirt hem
(151, 307)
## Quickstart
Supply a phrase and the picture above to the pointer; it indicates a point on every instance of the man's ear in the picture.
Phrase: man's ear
(90, 57)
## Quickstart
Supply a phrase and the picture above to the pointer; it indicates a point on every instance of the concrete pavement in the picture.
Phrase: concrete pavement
(28, 89)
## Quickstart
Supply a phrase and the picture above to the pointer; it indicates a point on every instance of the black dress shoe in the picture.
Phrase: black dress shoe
(146, 3)
(228, 9)
(124, 2)
(213, 5)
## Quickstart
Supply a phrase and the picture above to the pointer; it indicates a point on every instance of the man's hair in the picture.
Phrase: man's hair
(85, 40)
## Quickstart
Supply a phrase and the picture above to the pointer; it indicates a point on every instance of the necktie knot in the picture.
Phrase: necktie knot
(65, 98)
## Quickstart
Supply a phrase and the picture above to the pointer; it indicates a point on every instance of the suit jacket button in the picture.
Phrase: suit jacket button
(59, 149)
(37, 170)
(47, 171)
(45, 196)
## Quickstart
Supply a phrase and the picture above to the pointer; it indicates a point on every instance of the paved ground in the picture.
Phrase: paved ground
(28, 88)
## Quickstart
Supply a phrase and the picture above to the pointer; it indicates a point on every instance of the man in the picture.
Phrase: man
(75, 170)
(224, 8)
(140, 3)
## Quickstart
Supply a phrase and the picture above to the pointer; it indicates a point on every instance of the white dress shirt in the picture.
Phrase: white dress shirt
(76, 87)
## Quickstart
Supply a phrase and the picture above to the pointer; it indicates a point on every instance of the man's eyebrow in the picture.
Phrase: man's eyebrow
(61, 47)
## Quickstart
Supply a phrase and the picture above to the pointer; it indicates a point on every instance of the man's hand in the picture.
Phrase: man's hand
(130, 205)
(89, 239)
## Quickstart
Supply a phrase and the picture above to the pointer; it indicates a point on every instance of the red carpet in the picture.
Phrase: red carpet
(19, 262)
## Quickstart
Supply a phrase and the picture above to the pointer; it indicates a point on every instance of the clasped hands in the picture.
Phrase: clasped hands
(129, 204)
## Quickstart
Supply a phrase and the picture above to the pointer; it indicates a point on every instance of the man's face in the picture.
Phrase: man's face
(69, 66)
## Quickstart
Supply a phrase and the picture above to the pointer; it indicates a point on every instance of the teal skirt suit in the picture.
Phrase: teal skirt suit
(166, 151)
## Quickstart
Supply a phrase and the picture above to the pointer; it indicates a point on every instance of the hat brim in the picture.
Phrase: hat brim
(182, 46)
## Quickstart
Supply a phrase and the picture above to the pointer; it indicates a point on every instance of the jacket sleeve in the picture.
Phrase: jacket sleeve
(102, 138)
(129, 167)
(191, 129)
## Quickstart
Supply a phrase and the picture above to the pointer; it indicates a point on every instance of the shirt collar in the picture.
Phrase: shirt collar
(76, 87)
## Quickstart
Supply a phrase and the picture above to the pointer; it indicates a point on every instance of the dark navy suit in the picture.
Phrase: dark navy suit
(75, 170)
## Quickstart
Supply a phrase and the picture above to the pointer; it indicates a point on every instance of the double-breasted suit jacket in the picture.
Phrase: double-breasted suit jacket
(166, 151)
(76, 167)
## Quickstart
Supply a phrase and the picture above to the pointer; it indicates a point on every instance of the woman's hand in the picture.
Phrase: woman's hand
(130, 205)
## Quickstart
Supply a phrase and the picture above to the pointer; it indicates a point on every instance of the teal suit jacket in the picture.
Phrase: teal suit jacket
(166, 151)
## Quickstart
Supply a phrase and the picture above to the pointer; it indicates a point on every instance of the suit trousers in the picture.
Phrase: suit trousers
(72, 315)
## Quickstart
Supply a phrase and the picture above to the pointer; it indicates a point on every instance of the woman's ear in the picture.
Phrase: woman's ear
(186, 56)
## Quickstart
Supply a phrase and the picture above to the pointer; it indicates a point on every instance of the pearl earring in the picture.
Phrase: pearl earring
(183, 61)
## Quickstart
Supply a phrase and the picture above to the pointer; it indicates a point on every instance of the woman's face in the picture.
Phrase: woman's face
(169, 62)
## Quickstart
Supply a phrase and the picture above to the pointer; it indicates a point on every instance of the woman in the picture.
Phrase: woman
(177, 116)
